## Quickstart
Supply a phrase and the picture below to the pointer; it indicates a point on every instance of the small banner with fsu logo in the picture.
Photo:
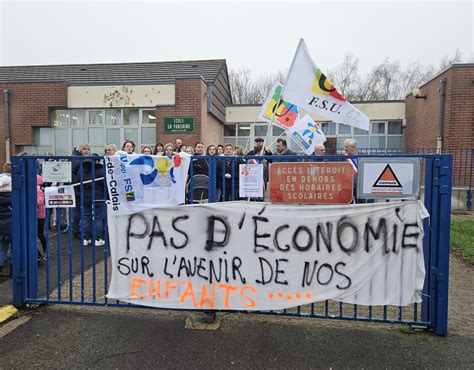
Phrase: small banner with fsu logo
(137, 182)
(307, 133)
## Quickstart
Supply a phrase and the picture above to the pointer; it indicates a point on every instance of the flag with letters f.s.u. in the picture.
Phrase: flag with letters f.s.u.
(308, 88)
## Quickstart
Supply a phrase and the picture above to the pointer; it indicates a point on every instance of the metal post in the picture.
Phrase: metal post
(31, 227)
(441, 269)
(18, 233)
(427, 240)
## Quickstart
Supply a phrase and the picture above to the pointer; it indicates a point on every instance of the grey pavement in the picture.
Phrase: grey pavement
(81, 337)
(60, 336)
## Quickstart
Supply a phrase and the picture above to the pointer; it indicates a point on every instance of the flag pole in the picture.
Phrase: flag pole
(281, 95)
(270, 124)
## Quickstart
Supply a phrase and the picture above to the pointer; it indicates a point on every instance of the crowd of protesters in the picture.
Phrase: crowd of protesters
(89, 175)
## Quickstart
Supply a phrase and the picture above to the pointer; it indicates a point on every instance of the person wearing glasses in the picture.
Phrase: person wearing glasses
(110, 149)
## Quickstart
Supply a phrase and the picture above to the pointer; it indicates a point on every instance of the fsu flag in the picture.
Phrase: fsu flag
(309, 89)
(284, 114)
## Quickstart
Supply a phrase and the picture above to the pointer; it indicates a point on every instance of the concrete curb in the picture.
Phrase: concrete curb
(6, 312)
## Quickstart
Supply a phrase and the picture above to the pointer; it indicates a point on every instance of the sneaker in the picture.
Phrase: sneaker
(99, 242)
(86, 242)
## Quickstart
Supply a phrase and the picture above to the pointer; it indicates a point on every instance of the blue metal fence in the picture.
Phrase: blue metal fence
(77, 274)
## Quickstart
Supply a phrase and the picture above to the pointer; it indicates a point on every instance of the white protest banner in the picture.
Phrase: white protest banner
(251, 180)
(137, 182)
(59, 197)
(284, 115)
(308, 88)
(261, 256)
(307, 133)
(56, 171)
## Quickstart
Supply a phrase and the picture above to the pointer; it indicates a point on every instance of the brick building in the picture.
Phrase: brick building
(429, 124)
(55, 108)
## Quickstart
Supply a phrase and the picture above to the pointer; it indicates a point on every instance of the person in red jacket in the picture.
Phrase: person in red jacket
(41, 213)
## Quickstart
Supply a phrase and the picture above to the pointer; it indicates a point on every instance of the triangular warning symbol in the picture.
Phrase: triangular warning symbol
(387, 179)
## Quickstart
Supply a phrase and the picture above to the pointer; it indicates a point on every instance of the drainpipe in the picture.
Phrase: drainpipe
(209, 98)
(442, 99)
(6, 122)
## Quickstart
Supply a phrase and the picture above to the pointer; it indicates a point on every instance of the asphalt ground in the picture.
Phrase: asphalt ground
(80, 337)
(60, 336)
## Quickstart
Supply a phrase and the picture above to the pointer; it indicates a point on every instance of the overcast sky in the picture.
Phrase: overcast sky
(261, 36)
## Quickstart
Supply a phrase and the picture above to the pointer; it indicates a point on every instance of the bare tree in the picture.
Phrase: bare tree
(247, 91)
(346, 77)
(413, 76)
(386, 81)
(447, 61)
(240, 85)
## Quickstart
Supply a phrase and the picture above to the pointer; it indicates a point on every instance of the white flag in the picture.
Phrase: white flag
(307, 133)
(284, 115)
(309, 89)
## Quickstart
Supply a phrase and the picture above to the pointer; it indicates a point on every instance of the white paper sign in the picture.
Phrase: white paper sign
(251, 181)
(59, 197)
(261, 256)
(388, 178)
(56, 171)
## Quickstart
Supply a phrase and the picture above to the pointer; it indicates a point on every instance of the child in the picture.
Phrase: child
(41, 214)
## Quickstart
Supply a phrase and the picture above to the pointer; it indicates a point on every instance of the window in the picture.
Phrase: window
(113, 137)
(96, 136)
(329, 128)
(44, 136)
(344, 129)
(78, 137)
(148, 136)
(130, 117)
(378, 127)
(131, 134)
(113, 117)
(96, 127)
(96, 117)
(358, 131)
(61, 142)
(395, 128)
(377, 142)
(77, 117)
(149, 117)
(60, 117)
(243, 129)
(277, 131)
(395, 141)
(260, 130)
(230, 130)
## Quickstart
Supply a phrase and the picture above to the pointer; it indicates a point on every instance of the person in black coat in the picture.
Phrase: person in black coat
(228, 173)
(90, 181)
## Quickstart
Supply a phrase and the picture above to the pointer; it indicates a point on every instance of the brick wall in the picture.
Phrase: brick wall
(191, 101)
(187, 103)
(459, 125)
(29, 107)
(422, 115)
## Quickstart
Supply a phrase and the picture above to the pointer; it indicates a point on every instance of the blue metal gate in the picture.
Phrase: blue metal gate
(74, 273)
